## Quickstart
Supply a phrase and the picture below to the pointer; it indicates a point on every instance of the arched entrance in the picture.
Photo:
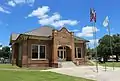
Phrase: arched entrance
(64, 52)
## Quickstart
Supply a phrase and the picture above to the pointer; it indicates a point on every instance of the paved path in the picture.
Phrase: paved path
(90, 73)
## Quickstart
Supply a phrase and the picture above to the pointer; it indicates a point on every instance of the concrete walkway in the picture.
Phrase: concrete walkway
(90, 72)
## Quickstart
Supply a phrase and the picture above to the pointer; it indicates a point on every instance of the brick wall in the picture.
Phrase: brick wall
(27, 55)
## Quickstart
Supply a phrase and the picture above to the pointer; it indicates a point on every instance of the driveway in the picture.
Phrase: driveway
(90, 72)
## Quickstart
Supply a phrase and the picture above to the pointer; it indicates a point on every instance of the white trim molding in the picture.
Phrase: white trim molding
(38, 52)
(76, 52)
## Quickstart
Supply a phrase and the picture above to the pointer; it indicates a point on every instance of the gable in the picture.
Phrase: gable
(64, 30)
(63, 36)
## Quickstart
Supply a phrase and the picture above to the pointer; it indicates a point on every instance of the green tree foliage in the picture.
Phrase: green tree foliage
(5, 52)
(116, 45)
(104, 47)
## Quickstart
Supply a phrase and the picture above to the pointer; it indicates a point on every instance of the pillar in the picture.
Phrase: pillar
(25, 53)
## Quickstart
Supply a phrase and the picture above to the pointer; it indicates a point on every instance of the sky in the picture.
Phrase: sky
(19, 16)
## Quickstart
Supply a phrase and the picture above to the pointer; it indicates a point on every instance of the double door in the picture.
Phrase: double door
(62, 54)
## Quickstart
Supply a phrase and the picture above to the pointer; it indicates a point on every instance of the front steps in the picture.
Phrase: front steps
(66, 64)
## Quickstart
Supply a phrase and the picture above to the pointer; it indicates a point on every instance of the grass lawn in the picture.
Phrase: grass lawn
(110, 64)
(8, 66)
(21, 75)
(36, 76)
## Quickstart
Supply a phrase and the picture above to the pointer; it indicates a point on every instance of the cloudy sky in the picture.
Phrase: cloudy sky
(19, 16)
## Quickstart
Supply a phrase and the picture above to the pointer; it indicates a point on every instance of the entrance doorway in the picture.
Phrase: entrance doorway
(64, 53)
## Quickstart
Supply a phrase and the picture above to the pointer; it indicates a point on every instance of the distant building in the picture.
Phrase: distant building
(42, 47)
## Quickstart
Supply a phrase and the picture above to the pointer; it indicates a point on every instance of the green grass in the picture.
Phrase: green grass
(110, 64)
(27, 75)
(36, 76)
(8, 66)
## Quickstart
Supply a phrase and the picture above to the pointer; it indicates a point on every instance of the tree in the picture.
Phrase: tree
(116, 46)
(90, 53)
(5, 52)
(1, 53)
(103, 48)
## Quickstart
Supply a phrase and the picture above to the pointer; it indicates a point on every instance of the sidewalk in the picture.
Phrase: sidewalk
(89, 72)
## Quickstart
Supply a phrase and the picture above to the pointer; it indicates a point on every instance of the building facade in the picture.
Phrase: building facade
(43, 47)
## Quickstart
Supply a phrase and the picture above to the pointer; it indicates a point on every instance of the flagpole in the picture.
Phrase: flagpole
(95, 44)
(93, 20)
(110, 44)
(105, 65)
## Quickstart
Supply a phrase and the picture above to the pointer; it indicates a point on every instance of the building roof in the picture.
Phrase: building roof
(42, 31)
(14, 36)
(79, 38)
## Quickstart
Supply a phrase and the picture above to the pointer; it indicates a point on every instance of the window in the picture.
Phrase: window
(78, 52)
(34, 51)
(42, 52)
(38, 51)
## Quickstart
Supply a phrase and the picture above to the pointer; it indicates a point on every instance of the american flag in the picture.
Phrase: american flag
(92, 15)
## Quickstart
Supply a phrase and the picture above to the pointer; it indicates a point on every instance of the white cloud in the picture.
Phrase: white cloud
(55, 20)
(40, 12)
(19, 1)
(4, 11)
(84, 34)
(49, 20)
(11, 3)
(75, 30)
(64, 22)
(87, 31)
(93, 43)
(30, 2)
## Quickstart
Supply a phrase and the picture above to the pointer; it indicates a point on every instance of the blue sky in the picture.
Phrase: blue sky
(19, 16)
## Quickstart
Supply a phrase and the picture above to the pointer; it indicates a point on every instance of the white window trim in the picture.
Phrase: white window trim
(77, 52)
(64, 49)
(38, 52)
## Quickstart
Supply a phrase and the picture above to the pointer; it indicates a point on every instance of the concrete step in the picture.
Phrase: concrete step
(67, 64)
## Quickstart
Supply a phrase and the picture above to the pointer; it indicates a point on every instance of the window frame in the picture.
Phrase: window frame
(38, 52)
(76, 51)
